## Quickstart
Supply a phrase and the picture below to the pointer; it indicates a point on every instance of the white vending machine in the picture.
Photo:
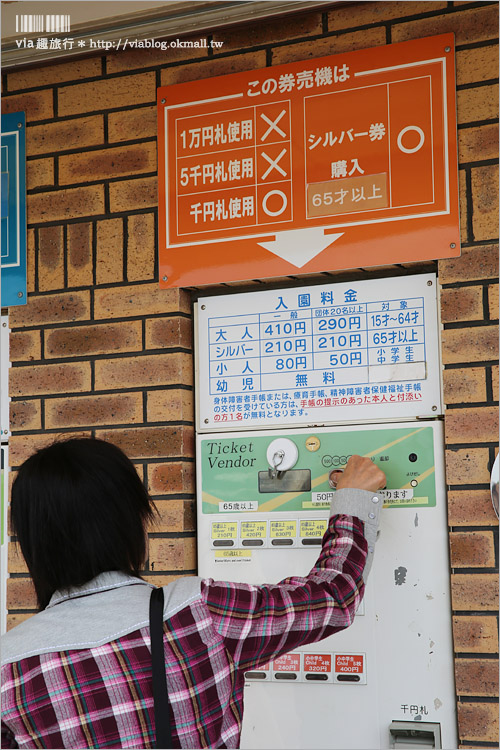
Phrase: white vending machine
(291, 383)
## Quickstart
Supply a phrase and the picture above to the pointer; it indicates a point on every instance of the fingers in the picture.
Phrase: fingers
(360, 473)
(334, 477)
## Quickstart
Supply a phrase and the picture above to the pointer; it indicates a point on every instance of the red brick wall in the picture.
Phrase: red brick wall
(99, 349)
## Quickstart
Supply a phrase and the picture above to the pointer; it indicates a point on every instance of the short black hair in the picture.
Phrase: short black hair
(78, 509)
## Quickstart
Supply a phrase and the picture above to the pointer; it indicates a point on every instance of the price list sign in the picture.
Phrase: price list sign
(342, 161)
(321, 354)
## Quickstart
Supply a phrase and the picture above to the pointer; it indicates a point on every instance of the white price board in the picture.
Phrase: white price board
(339, 353)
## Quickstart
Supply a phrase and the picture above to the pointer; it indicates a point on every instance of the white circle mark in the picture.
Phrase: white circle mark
(266, 198)
(419, 144)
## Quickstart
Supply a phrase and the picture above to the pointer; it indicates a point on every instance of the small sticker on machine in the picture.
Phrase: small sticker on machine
(349, 663)
(312, 528)
(318, 663)
(322, 498)
(253, 529)
(238, 507)
(405, 494)
(287, 663)
(283, 529)
(233, 555)
(224, 530)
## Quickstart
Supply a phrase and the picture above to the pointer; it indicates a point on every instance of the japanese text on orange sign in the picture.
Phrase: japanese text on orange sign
(317, 663)
(342, 142)
(349, 663)
(234, 165)
(287, 663)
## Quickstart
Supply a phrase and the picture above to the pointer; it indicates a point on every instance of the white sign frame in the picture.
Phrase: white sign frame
(399, 310)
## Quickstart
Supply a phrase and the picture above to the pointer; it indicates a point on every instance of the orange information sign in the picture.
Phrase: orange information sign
(287, 663)
(349, 663)
(343, 161)
(318, 663)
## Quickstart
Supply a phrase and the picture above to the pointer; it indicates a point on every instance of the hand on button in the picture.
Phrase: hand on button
(362, 474)
(334, 477)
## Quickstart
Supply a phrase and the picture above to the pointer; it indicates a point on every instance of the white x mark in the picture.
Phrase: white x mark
(273, 125)
(273, 164)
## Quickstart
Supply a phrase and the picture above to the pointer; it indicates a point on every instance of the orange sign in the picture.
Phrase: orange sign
(339, 162)
(349, 663)
(317, 663)
(287, 663)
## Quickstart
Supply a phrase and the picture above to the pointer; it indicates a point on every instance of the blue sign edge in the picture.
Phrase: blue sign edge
(13, 280)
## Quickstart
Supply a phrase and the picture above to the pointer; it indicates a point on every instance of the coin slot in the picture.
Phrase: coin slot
(311, 542)
(285, 676)
(282, 542)
(223, 543)
(317, 677)
(252, 543)
(255, 675)
(348, 678)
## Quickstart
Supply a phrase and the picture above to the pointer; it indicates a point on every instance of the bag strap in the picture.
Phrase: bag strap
(160, 693)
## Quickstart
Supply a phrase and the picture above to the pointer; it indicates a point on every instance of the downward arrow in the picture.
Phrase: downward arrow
(299, 246)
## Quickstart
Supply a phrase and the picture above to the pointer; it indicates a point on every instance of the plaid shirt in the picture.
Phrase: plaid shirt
(102, 696)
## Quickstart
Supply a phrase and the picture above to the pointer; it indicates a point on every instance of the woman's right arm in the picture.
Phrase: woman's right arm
(260, 623)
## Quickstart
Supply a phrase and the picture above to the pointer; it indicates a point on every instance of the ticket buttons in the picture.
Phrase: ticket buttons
(311, 532)
(350, 669)
(318, 668)
(283, 533)
(224, 534)
(286, 668)
(253, 534)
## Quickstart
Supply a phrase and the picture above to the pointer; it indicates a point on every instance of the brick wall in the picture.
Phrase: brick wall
(100, 350)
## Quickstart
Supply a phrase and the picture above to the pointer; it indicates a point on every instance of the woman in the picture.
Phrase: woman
(78, 673)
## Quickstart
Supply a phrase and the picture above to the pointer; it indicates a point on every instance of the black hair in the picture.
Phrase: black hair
(78, 509)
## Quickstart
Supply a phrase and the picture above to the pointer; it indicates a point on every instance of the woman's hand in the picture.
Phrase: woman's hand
(360, 473)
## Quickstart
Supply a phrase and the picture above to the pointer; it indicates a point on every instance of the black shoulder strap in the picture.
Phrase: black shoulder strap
(160, 693)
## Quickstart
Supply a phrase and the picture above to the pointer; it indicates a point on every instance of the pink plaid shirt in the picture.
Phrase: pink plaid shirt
(99, 694)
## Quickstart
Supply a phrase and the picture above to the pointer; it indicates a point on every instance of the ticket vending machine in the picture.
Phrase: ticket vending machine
(263, 501)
